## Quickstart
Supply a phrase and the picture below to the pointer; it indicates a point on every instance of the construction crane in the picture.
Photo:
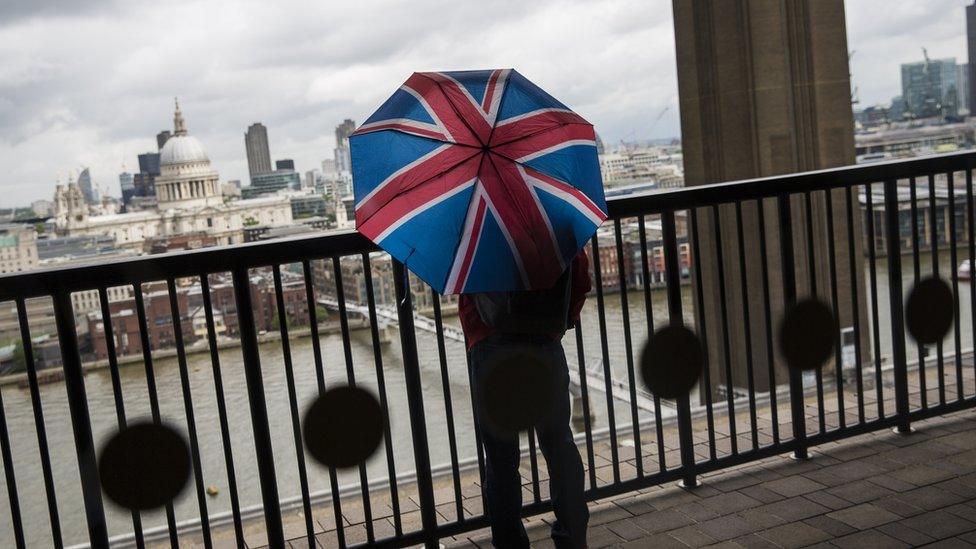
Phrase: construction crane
(658, 118)
(654, 122)
(649, 128)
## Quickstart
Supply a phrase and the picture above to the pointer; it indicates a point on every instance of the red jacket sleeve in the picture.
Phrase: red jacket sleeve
(472, 325)
(581, 285)
(476, 330)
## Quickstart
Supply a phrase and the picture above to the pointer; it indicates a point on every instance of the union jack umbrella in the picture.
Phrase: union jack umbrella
(477, 181)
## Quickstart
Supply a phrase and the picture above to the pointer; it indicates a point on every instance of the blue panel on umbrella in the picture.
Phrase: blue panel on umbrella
(399, 149)
(401, 105)
(473, 81)
(572, 228)
(494, 265)
(578, 165)
(422, 243)
(522, 96)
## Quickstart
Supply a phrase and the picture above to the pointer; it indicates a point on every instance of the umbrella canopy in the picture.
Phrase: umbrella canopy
(477, 181)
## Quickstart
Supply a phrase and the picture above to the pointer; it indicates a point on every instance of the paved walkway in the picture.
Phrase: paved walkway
(874, 490)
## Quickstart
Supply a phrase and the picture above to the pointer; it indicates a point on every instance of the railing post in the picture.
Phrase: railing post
(893, 249)
(415, 402)
(797, 404)
(74, 383)
(686, 441)
(259, 410)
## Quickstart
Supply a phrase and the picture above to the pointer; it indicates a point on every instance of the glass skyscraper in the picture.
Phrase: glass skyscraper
(930, 88)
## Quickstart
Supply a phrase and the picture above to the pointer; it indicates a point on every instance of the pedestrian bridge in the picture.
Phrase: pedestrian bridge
(593, 373)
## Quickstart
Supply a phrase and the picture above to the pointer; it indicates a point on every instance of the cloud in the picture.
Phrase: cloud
(91, 82)
(15, 11)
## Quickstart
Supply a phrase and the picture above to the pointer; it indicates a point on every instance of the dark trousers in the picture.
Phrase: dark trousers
(503, 485)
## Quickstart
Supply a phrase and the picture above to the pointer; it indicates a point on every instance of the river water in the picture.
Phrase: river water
(20, 418)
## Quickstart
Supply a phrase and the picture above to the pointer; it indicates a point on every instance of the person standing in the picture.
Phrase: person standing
(494, 324)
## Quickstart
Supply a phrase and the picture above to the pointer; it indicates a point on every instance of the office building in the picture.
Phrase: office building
(263, 184)
(18, 248)
(161, 139)
(149, 163)
(328, 167)
(897, 110)
(125, 181)
(962, 87)
(42, 208)
(971, 48)
(929, 88)
(308, 205)
(343, 163)
(311, 179)
(144, 182)
(285, 164)
(258, 152)
(127, 187)
(87, 189)
(873, 116)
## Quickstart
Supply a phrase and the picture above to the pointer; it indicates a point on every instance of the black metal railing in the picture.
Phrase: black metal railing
(754, 248)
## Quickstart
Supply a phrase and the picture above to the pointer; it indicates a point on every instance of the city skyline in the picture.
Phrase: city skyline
(105, 107)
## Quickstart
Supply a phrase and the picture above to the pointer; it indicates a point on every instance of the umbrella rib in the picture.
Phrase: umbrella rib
(550, 233)
(501, 103)
(522, 218)
(474, 197)
(494, 149)
(455, 109)
(530, 170)
(445, 140)
(523, 137)
(423, 182)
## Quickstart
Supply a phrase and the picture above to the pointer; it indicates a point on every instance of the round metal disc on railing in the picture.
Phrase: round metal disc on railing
(671, 361)
(807, 334)
(343, 427)
(928, 311)
(144, 466)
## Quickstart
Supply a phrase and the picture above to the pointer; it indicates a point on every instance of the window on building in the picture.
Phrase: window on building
(960, 221)
(941, 227)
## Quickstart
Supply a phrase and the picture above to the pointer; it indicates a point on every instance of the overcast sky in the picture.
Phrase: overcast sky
(90, 82)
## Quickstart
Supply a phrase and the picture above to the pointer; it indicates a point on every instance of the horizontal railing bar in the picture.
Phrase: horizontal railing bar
(295, 249)
(652, 202)
(181, 264)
